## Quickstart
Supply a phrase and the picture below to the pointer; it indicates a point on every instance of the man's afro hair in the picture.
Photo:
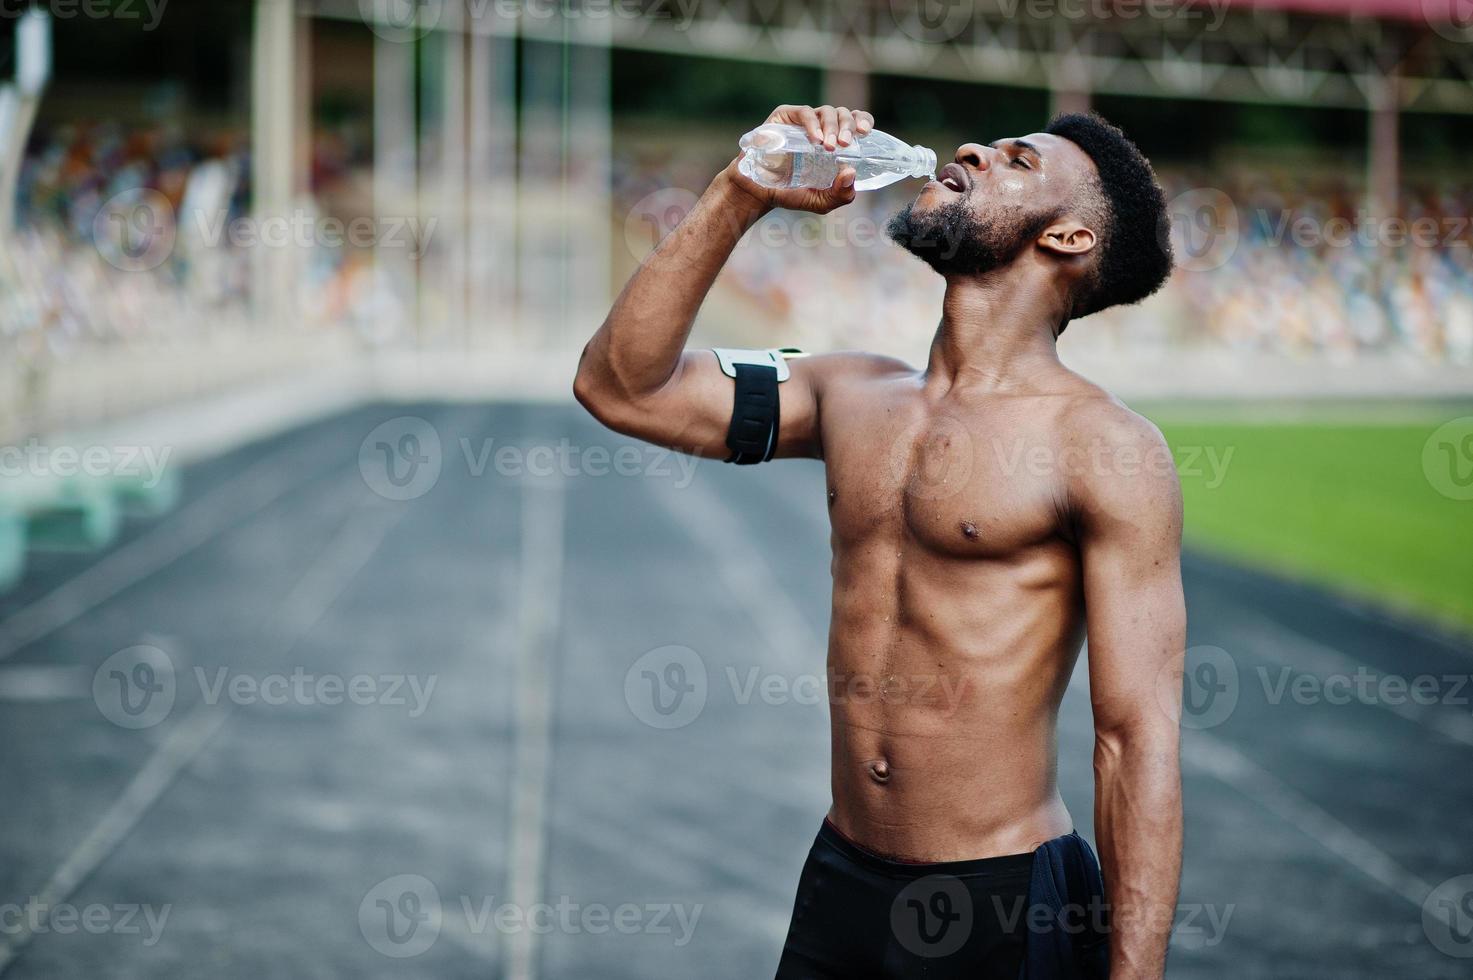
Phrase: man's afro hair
(1135, 257)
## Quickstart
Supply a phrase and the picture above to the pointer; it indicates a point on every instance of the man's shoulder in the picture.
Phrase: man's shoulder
(853, 365)
(1089, 411)
(1095, 414)
(1123, 454)
(866, 362)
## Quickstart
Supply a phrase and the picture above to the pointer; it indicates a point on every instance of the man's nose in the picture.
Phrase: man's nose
(973, 155)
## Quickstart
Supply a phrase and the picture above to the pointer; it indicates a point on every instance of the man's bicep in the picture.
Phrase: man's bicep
(692, 412)
(1130, 542)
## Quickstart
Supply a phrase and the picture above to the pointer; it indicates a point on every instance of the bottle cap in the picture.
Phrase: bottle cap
(763, 138)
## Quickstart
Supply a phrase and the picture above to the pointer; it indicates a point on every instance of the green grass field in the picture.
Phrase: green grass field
(1335, 495)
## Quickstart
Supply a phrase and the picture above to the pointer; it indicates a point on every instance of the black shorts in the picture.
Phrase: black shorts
(860, 915)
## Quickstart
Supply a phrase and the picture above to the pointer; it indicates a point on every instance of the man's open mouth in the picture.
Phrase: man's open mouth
(954, 177)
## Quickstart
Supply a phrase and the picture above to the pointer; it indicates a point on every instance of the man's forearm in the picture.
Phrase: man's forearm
(640, 343)
(1138, 824)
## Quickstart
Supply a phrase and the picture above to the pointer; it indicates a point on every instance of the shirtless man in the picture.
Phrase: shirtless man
(988, 513)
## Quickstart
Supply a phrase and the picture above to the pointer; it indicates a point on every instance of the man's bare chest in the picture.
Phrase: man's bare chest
(965, 483)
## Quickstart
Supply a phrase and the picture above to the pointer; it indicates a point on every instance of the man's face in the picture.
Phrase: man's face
(991, 202)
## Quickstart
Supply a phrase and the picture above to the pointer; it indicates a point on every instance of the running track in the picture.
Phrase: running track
(272, 832)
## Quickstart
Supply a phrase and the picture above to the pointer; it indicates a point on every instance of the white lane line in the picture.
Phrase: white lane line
(44, 682)
(242, 496)
(635, 846)
(336, 565)
(540, 602)
(323, 582)
(747, 577)
(1311, 656)
(1223, 762)
(183, 743)
(1353, 606)
(676, 845)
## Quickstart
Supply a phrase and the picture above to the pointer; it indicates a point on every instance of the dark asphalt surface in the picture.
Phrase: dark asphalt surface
(269, 839)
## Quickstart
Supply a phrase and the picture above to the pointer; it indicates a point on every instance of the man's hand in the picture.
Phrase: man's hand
(636, 375)
(828, 126)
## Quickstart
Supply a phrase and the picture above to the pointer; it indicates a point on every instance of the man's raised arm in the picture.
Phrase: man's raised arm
(1129, 518)
(636, 376)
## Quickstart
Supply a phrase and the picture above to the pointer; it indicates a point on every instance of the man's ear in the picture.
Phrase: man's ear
(1067, 238)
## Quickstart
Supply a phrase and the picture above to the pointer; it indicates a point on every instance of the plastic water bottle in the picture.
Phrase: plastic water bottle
(781, 156)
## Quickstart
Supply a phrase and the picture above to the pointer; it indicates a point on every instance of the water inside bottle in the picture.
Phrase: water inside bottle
(782, 156)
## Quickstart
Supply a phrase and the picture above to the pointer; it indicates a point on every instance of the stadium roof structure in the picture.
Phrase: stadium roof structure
(1420, 11)
(1410, 55)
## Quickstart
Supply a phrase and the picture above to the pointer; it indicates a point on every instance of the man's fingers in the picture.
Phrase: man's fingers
(799, 115)
(808, 119)
(831, 126)
(830, 120)
(846, 126)
(842, 191)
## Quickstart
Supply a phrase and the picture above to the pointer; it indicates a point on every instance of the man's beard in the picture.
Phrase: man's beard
(952, 240)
